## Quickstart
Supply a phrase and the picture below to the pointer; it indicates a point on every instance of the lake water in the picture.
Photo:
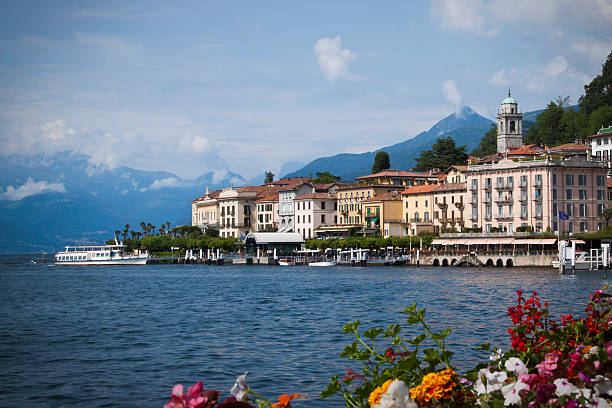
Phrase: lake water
(123, 336)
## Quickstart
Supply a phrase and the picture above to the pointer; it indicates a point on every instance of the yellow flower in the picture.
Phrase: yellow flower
(376, 395)
(433, 386)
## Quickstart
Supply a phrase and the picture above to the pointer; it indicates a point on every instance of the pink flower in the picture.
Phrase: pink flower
(608, 347)
(546, 367)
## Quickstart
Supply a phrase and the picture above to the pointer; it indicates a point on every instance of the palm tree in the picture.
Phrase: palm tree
(117, 232)
(144, 228)
(138, 235)
(162, 229)
(133, 234)
(125, 231)
(148, 227)
(153, 228)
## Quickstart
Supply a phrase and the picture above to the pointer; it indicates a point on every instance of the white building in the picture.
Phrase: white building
(313, 210)
(601, 145)
(509, 126)
(286, 209)
(205, 210)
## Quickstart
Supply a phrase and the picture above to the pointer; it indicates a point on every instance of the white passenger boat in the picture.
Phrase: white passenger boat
(322, 263)
(99, 255)
(286, 262)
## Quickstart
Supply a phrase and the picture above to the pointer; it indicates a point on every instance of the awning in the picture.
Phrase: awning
(548, 241)
(438, 242)
(578, 241)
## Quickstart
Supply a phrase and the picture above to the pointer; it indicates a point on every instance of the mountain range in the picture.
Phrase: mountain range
(48, 201)
(466, 127)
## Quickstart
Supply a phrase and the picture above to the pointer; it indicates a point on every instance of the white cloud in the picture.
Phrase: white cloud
(499, 78)
(30, 188)
(219, 175)
(163, 183)
(333, 60)
(451, 93)
(557, 66)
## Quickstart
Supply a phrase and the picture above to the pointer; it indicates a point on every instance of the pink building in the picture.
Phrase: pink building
(513, 193)
(313, 210)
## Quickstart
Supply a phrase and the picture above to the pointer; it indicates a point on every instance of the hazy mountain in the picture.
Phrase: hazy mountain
(465, 127)
(49, 201)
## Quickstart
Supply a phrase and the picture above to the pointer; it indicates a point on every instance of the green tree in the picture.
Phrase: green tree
(324, 177)
(381, 162)
(547, 129)
(443, 154)
(601, 116)
(269, 177)
(211, 232)
(488, 143)
(598, 92)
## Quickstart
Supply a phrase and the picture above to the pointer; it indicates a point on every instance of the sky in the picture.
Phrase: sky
(194, 86)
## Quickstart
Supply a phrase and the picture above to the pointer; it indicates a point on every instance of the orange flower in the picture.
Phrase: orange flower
(285, 400)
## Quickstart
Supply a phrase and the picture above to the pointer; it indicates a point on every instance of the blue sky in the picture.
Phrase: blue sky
(194, 86)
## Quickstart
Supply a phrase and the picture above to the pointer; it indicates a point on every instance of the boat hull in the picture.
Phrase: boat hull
(324, 263)
(130, 261)
(286, 263)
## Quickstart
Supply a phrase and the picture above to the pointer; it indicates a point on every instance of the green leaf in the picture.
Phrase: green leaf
(410, 309)
(351, 327)
(485, 346)
(432, 355)
(372, 333)
(392, 330)
(441, 335)
(349, 350)
(413, 319)
(332, 388)
(418, 339)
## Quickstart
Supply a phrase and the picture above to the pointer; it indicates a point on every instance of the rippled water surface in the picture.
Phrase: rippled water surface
(123, 336)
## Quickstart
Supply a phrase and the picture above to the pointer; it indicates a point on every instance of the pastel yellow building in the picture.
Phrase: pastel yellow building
(385, 214)
(418, 208)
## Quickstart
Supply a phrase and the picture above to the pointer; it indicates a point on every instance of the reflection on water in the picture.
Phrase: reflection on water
(110, 336)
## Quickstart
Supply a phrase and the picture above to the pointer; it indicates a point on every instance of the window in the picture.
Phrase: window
(474, 212)
(582, 210)
(416, 204)
(582, 180)
(555, 226)
(523, 181)
(600, 181)
(570, 210)
(426, 217)
(555, 212)
(523, 210)
(554, 194)
(600, 195)
(582, 226)
(500, 211)
(488, 197)
(488, 211)
(554, 179)
(538, 209)
(538, 194)
(582, 194)
(570, 226)
(488, 183)
(568, 194)
(538, 180)
(500, 182)
(524, 195)
(600, 208)
(569, 179)
(474, 197)
(474, 184)
(426, 203)
(511, 210)
(510, 181)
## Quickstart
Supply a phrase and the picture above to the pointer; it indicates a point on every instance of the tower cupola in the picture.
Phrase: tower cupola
(509, 125)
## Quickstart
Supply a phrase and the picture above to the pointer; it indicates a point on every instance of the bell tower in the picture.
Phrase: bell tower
(509, 125)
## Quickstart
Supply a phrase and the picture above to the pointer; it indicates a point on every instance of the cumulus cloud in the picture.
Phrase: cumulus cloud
(333, 60)
(30, 188)
(557, 66)
(461, 15)
(499, 78)
(452, 95)
(163, 183)
(219, 175)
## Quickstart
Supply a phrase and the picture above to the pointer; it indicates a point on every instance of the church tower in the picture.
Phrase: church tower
(509, 125)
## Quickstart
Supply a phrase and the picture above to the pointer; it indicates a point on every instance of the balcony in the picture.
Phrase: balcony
(538, 215)
(537, 198)
(488, 186)
(443, 206)
(524, 215)
(487, 216)
(504, 200)
(473, 187)
(459, 206)
(523, 198)
(537, 183)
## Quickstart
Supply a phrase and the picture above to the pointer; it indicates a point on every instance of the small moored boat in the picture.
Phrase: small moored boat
(286, 262)
(322, 263)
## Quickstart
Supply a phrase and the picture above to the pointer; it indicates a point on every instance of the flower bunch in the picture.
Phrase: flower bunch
(437, 386)
(197, 397)
(565, 365)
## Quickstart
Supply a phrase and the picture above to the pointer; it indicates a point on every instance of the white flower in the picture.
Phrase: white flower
(564, 387)
(240, 388)
(496, 355)
(397, 396)
(516, 366)
(593, 351)
(488, 382)
(511, 392)
(603, 385)
(598, 403)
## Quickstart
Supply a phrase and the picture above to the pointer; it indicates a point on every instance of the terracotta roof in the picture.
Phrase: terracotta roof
(271, 197)
(290, 180)
(391, 196)
(458, 167)
(487, 159)
(365, 185)
(570, 146)
(309, 196)
(396, 173)
(526, 150)
(212, 194)
(450, 187)
(419, 189)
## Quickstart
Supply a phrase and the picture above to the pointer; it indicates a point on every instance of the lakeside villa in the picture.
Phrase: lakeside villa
(520, 188)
